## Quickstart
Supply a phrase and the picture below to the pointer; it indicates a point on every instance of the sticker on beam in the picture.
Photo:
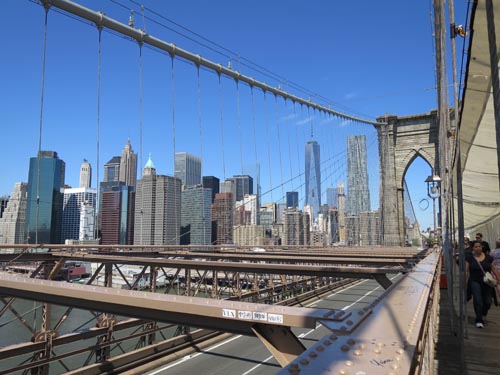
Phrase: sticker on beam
(275, 318)
(260, 316)
(229, 313)
(245, 315)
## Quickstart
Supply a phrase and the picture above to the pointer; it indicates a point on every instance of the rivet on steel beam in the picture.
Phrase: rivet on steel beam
(320, 348)
(358, 353)
(349, 363)
(304, 362)
(294, 371)
(351, 342)
(361, 312)
(349, 322)
(313, 354)
(400, 351)
(327, 342)
(362, 346)
(333, 337)
(345, 348)
(377, 351)
(343, 372)
(394, 366)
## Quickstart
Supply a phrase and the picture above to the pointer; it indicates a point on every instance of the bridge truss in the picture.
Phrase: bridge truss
(252, 294)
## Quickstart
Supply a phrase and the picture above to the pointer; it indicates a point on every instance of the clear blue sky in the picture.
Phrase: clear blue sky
(369, 58)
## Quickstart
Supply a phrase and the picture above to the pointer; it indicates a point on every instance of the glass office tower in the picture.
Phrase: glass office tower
(45, 199)
(313, 177)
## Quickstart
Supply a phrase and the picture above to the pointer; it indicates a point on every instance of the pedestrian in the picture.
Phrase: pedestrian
(486, 245)
(496, 256)
(482, 294)
(467, 245)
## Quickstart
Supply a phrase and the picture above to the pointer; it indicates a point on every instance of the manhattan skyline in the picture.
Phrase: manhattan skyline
(381, 87)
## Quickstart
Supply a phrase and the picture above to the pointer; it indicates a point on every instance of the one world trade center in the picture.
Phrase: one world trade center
(313, 177)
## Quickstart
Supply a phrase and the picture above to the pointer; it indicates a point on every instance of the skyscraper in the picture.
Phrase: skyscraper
(222, 216)
(213, 183)
(3, 204)
(117, 213)
(358, 193)
(112, 169)
(331, 198)
(341, 212)
(292, 199)
(128, 166)
(244, 185)
(157, 208)
(85, 174)
(313, 177)
(195, 216)
(73, 200)
(187, 168)
(45, 200)
(296, 227)
(13, 220)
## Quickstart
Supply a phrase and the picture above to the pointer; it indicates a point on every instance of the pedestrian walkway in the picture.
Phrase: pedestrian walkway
(481, 346)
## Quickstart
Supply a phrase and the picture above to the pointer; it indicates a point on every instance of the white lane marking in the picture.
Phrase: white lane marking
(187, 358)
(302, 335)
(258, 365)
(340, 291)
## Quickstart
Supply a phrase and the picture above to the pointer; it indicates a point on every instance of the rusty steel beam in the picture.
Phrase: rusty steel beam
(372, 251)
(387, 339)
(290, 269)
(280, 341)
(229, 316)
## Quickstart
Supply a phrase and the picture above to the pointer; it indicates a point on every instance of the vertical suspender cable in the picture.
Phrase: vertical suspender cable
(140, 144)
(257, 167)
(200, 126)
(177, 223)
(289, 147)
(40, 132)
(221, 122)
(268, 147)
(279, 145)
(297, 143)
(239, 123)
(98, 132)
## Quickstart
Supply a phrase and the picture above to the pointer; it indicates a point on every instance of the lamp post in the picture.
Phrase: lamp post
(434, 192)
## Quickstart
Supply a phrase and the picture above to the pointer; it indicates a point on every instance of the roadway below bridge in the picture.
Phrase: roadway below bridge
(244, 355)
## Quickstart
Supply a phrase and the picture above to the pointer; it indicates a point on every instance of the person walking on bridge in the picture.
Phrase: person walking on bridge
(475, 267)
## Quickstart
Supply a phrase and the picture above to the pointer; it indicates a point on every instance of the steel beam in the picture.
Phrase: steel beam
(280, 341)
(230, 316)
(386, 338)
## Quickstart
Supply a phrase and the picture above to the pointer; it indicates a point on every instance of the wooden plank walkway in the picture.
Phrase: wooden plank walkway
(481, 346)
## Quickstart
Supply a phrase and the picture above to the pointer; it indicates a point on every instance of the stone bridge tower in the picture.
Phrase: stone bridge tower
(401, 141)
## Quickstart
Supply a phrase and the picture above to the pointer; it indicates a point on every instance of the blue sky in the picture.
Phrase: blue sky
(368, 58)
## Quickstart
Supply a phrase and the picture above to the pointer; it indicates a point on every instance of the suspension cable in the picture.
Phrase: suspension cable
(239, 124)
(140, 143)
(279, 144)
(40, 132)
(257, 165)
(221, 122)
(287, 121)
(139, 35)
(172, 69)
(200, 126)
(98, 130)
(268, 145)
